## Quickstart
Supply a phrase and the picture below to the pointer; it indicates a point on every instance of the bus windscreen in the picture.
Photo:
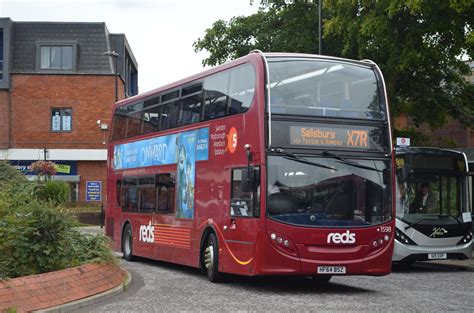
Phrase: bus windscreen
(324, 88)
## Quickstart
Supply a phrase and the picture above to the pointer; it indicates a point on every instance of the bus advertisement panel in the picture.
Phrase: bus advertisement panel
(232, 174)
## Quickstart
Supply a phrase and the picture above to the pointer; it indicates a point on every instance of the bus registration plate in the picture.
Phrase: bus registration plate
(331, 269)
(437, 256)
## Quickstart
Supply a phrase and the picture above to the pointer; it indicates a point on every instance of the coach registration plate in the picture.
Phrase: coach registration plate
(437, 256)
(331, 269)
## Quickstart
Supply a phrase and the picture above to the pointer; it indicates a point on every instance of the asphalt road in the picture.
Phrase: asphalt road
(164, 287)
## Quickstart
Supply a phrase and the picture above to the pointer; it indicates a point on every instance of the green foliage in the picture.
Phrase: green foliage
(280, 27)
(9, 174)
(56, 192)
(424, 138)
(417, 44)
(37, 237)
(417, 138)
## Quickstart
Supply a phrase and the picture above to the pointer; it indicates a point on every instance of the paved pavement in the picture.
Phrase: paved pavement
(423, 287)
(468, 264)
(164, 287)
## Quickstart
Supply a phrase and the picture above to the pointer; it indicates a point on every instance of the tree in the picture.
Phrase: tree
(418, 44)
(278, 27)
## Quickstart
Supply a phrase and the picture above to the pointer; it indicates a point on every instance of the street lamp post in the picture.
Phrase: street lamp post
(116, 56)
(320, 14)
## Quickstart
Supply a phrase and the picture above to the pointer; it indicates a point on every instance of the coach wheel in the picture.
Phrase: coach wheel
(127, 243)
(211, 259)
(321, 279)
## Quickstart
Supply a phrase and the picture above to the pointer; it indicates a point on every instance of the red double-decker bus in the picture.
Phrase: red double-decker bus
(272, 164)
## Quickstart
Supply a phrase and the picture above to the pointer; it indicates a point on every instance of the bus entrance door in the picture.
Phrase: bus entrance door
(241, 224)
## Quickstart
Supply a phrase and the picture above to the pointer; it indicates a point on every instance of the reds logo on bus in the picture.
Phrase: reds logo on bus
(345, 238)
(145, 233)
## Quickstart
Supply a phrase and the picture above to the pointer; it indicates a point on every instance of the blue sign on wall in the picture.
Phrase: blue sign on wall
(159, 150)
(93, 191)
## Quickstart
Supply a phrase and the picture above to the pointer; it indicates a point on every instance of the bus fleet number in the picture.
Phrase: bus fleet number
(386, 229)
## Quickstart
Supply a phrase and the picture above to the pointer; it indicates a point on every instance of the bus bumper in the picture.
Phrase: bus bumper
(412, 253)
(272, 261)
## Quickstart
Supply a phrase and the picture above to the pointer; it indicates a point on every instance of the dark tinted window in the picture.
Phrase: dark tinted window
(134, 124)
(119, 124)
(169, 115)
(215, 96)
(130, 195)
(191, 109)
(151, 119)
(147, 194)
(191, 90)
(165, 190)
(170, 96)
(226, 93)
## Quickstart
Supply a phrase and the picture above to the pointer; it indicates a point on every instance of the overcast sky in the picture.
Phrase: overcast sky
(160, 32)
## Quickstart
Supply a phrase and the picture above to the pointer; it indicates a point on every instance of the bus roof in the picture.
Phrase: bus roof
(429, 151)
(253, 55)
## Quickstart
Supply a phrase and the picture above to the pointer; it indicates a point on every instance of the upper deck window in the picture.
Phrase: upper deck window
(324, 88)
(218, 95)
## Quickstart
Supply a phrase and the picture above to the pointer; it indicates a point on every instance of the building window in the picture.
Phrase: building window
(131, 77)
(60, 56)
(1, 54)
(61, 120)
(56, 57)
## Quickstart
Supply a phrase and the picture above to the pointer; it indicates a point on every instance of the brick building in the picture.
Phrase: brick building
(57, 90)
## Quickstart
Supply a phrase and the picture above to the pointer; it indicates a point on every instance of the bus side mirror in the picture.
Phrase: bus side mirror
(386, 176)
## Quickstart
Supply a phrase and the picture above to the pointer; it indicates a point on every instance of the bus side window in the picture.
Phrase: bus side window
(151, 115)
(130, 195)
(134, 120)
(165, 193)
(216, 88)
(242, 88)
(147, 194)
(190, 109)
(244, 193)
(118, 192)
(169, 115)
(119, 124)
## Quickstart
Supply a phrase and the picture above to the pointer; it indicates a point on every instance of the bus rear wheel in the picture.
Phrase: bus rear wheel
(127, 246)
(211, 259)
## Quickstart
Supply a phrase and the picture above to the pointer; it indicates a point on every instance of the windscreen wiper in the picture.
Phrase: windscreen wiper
(350, 162)
(410, 225)
(294, 157)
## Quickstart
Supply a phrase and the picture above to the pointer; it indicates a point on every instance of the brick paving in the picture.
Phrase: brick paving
(47, 290)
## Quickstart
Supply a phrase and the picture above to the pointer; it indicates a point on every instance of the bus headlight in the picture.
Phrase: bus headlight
(282, 243)
(465, 239)
(403, 238)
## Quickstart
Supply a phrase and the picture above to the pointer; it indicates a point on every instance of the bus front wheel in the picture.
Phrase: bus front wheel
(127, 247)
(211, 259)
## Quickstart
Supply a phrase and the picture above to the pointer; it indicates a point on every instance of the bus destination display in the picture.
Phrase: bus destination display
(329, 137)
